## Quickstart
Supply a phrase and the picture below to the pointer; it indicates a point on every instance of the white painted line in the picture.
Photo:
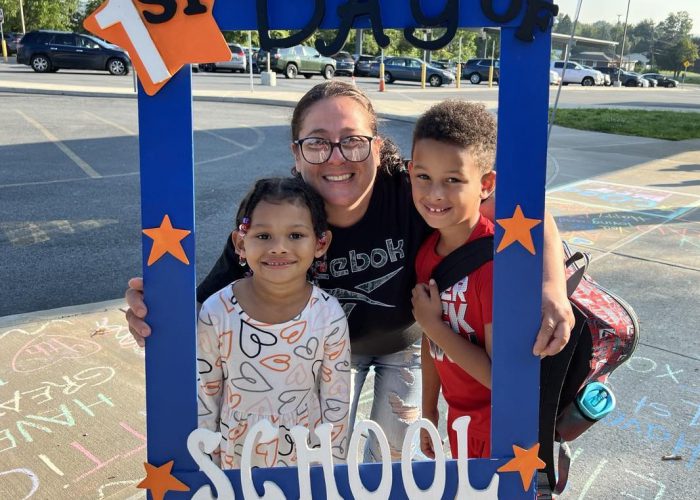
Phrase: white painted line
(111, 123)
(58, 181)
(591, 479)
(225, 139)
(629, 186)
(66, 150)
(556, 169)
(259, 140)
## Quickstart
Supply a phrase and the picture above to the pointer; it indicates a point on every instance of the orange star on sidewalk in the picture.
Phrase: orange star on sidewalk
(166, 239)
(517, 228)
(526, 462)
(159, 480)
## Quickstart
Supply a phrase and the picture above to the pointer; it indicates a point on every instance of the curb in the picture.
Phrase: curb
(60, 313)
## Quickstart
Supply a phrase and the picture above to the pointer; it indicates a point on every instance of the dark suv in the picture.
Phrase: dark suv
(11, 41)
(48, 51)
(626, 79)
(476, 70)
(296, 60)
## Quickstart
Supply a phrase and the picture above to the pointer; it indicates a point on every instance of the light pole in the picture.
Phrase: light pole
(21, 16)
(622, 49)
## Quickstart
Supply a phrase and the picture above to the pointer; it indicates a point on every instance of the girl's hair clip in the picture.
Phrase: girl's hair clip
(244, 226)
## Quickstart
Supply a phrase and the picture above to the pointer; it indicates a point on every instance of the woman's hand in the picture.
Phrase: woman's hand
(137, 311)
(427, 307)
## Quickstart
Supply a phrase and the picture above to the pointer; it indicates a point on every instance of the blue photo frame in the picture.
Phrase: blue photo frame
(167, 188)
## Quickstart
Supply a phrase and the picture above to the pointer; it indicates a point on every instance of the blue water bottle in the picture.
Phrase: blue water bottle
(593, 402)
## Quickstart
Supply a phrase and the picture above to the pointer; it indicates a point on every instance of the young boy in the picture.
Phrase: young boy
(454, 149)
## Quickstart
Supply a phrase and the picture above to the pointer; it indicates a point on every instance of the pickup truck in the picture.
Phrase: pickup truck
(575, 73)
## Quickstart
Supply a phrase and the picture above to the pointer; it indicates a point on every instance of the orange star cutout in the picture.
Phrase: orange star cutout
(518, 228)
(166, 239)
(159, 480)
(526, 462)
(159, 49)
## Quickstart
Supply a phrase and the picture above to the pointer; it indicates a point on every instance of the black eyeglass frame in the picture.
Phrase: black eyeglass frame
(300, 143)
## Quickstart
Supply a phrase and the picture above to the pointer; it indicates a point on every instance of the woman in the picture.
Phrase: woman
(369, 267)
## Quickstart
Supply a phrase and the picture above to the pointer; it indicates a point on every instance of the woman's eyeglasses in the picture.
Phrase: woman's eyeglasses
(317, 150)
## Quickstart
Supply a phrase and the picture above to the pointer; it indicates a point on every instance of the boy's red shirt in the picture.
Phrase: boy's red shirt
(467, 306)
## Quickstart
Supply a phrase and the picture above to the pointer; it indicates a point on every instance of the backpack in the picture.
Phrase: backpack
(604, 336)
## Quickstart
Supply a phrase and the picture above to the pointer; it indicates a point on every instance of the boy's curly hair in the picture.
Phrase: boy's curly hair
(467, 125)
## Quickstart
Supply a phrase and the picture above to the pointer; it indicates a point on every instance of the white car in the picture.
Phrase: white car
(575, 73)
(554, 77)
(238, 61)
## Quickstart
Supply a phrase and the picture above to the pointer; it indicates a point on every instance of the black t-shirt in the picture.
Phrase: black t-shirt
(370, 269)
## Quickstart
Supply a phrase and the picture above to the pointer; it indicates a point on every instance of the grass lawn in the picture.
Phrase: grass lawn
(671, 125)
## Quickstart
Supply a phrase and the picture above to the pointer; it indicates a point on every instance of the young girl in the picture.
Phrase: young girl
(272, 345)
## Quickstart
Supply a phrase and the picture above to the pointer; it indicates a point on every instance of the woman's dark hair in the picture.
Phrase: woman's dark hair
(285, 189)
(389, 154)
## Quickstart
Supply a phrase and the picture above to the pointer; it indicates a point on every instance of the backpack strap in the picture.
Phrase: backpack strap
(462, 262)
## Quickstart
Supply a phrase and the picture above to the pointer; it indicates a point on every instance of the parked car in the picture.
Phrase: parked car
(661, 80)
(48, 51)
(554, 78)
(238, 61)
(626, 79)
(646, 82)
(606, 78)
(254, 58)
(409, 69)
(344, 64)
(11, 41)
(362, 64)
(477, 70)
(575, 73)
(446, 65)
(297, 60)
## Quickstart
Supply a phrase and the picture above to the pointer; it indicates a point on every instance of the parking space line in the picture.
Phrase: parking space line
(60, 145)
(58, 181)
(108, 122)
(225, 139)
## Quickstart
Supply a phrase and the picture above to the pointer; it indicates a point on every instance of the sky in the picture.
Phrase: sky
(608, 10)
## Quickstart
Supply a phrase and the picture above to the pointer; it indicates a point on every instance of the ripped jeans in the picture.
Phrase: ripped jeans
(397, 396)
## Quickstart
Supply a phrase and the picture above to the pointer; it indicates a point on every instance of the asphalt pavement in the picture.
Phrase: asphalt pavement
(72, 412)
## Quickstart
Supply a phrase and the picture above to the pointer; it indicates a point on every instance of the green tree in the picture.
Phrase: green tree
(676, 26)
(81, 13)
(45, 14)
(563, 24)
(673, 57)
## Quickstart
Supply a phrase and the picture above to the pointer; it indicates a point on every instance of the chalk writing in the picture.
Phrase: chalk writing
(101, 463)
(63, 416)
(46, 350)
(46, 391)
(34, 481)
(121, 334)
(50, 464)
(647, 365)
(657, 433)
(21, 331)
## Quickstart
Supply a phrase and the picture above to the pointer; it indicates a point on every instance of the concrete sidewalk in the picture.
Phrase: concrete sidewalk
(72, 396)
